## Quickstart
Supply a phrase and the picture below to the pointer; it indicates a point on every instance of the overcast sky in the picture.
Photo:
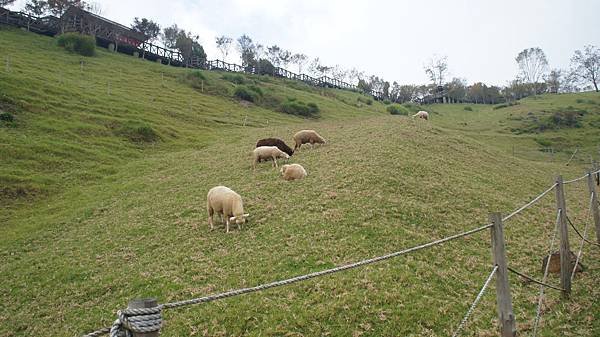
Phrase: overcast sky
(390, 39)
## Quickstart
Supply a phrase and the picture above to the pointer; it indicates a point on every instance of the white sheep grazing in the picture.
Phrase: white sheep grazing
(422, 114)
(307, 136)
(268, 153)
(293, 172)
(227, 204)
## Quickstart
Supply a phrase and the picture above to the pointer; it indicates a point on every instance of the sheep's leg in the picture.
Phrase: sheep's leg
(210, 217)
(227, 224)
(275, 162)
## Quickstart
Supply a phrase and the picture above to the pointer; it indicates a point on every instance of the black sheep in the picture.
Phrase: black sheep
(281, 145)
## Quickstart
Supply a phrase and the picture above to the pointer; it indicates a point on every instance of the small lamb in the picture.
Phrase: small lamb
(292, 172)
(307, 136)
(268, 153)
(227, 203)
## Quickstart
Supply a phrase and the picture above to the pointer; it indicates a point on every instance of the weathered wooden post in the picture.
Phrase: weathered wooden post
(563, 229)
(140, 304)
(594, 205)
(503, 299)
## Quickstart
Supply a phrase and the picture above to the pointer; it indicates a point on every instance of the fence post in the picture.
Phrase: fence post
(565, 256)
(595, 208)
(140, 304)
(503, 298)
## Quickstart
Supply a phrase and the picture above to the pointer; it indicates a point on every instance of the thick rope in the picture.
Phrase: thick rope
(140, 320)
(237, 292)
(534, 280)
(477, 299)
(575, 180)
(541, 298)
(520, 209)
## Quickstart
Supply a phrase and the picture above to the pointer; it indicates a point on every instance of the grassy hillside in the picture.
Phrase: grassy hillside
(76, 117)
(117, 218)
(562, 122)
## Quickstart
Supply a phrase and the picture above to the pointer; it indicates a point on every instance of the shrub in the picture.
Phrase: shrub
(387, 102)
(468, 108)
(6, 117)
(396, 109)
(298, 108)
(580, 101)
(248, 93)
(138, 132)
(194, 79)
(505, 105)
(234, 78)
(77, 43)
(366, 100)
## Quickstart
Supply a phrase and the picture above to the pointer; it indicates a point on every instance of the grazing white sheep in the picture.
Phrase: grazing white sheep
(228, 204)
(422, 114)
(307, 136)
(293, 172)
(268, 153)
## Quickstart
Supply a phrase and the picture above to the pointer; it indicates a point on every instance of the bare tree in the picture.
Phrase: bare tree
(355, 75)
(533, 65)
(437, 69)
(94, 7)
(585, 65)
(224, 45)
(285, 57)
(6, 3)
(313, 67)
(299, 60)
(339, 73)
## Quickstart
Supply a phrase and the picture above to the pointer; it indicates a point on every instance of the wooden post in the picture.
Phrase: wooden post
(143, 303)
(563, 229)
(506, 316)
(595, 208)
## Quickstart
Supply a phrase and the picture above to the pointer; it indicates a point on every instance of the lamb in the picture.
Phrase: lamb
(268, 153)
(292, 172)
(422, 114)
(275, 142)
(307, 136)
(226, 202)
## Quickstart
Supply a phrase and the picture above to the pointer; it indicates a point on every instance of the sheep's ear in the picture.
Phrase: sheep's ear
(246, 215)
(232, 219)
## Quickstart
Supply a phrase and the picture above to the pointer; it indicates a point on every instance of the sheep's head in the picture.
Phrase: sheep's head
(285, 155)
(283, 169)
(239, 219)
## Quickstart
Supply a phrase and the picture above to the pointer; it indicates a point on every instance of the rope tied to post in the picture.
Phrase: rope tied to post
(141, 320)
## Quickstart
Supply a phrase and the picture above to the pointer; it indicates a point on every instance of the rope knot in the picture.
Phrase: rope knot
(140, 320)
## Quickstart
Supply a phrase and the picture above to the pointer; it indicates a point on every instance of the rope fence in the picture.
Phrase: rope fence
(149, 320)
(477, 299)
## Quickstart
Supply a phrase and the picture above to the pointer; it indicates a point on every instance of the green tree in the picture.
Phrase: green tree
(247, 50)
(36, 7)
(59, 7)
(147, 27)
(6, 3)
(169, 36)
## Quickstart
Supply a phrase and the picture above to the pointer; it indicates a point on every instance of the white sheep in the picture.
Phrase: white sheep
(226, 203)
(292, 172)
(268, 153)
(307, 136)
(422, 114)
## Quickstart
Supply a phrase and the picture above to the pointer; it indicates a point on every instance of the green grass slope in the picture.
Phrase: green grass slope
(76, 117)
(127, 219)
